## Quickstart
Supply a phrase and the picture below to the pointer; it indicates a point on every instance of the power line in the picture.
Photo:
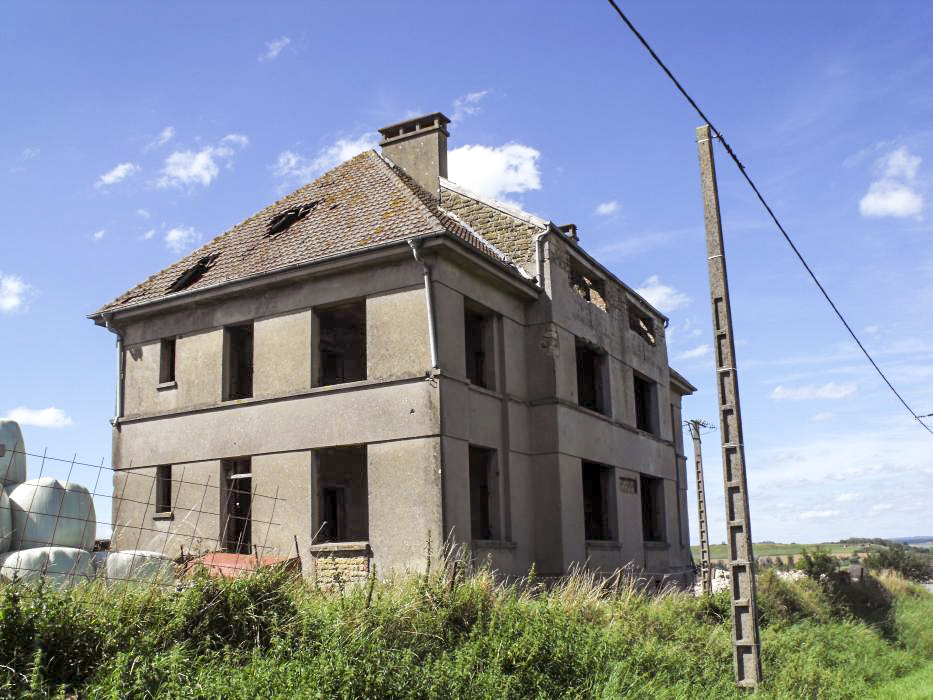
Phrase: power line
(767, 207)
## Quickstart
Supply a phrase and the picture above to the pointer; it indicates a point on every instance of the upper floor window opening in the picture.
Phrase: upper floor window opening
(642, 324)
(167, 361)
(587, 285)
(238, 362)
(479, 345)
(342, 343)
(646, 414)
(592, 379)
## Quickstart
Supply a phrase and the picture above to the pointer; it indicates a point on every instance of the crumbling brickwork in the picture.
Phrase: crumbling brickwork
(341, 568)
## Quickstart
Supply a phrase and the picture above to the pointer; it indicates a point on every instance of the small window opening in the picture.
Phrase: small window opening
(484, 501)
(652, 508)
(236, 533)
(193, 273)
(344, 501)
(644, 404)
(163, 487)
(641, 324)
(342, 343)
(285, 219)
(589, 287)
(238, 348)
(591, 392)
(167, 361)
(597, 503)
(478, 337)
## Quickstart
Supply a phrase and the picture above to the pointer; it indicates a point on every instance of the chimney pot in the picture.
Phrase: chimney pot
(419, 147)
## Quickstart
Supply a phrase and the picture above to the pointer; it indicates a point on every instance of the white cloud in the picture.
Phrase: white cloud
(662, 296)
(12, 292)
(823, 416)
(496, 171)
(149, 234)
(274, 48)
(830, 390)
(181, 239)
(143, 213)
(608, 208)
(893, 193)
(880, 508)
(99, 234)
(117, 174)
(698, 351)
(818, 514)
(847, 497)
(467, 105)
(40, 417)
(199, 167)
(293, 166)
(30, 153)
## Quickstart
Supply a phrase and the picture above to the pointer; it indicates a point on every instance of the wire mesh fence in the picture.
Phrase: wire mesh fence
(76, 522)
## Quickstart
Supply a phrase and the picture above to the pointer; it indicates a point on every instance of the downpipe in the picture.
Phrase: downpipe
(415, 245)
(121, 371)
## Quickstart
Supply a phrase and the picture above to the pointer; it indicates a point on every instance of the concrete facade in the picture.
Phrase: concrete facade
(415, 422)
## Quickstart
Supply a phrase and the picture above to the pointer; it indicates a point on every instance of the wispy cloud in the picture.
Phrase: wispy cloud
(117, 174)
(181, 239)
(187, 168)
(29, 153)
(12, 293)
(698, 351)
(149, 234)
(166, 135)
(497, 171)
(296, 167)
(830, 390)
(894, 193)
(274, 48)
(662, 296)
(847, 497)
(608, 208)
(97, 235)
(818, 514)
(467, 105)
(143, 213)
(40, 417)
(823, 416)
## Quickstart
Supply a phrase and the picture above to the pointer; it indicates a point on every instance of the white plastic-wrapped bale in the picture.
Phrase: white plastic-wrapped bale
(6, 521)
(51, 513)
(140, 566)
(12, 454)
(60, 566)
(99, 562)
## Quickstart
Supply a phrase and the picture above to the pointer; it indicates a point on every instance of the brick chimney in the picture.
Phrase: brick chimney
(419, 147)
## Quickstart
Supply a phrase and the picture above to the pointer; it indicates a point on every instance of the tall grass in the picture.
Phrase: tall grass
(273, 636)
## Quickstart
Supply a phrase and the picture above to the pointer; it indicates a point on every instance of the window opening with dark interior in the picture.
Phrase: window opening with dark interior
(484, 494)
(236, 534)
(193, 273)
(644, 390)
(652, 508)
(163, 503)
(283, 220)
(344, 502)
(478, 328)
(591, 391)
(167, 360)
(342, 343)
(238, 349)
(597, 501)
(588, 286)
(642, 324)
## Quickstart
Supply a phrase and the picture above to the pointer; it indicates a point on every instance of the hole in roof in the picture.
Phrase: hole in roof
(193, 273)
(283, 220)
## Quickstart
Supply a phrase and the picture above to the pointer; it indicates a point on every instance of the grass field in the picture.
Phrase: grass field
(770, 549)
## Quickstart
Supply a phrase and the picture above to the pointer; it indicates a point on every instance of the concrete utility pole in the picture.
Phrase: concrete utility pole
(745, 637)
(706, 572)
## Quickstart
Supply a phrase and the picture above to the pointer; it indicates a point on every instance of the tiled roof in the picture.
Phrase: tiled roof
(361, 203)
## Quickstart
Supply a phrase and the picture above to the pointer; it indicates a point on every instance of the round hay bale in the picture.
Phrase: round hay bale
(51, 513)
(140, 566)
(12, 454)
(6, 522)
(59, 566)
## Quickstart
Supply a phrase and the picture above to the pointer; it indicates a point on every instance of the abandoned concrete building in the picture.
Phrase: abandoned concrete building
(384, 356)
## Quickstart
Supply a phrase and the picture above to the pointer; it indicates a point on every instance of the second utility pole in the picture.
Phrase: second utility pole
(745, 637)
(706, 572)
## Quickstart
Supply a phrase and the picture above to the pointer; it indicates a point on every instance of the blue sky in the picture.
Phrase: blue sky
(133, 132)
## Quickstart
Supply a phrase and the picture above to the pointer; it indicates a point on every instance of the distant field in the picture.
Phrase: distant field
(720, 551)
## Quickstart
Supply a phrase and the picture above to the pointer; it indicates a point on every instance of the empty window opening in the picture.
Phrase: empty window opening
(280, 222)
(193, 273)
(343, 507)
(589, 287)
(167, 361)
(478, 336)
(652, 508)
(484, 494)
(238, 355)
(342, 343)
(591, 384)
(236, 533)
(163, 486)
(642, 324)
(645, 414)
(597, 501)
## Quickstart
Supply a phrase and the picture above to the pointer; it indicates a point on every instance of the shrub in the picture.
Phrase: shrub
(902, 559)
(817, 564)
